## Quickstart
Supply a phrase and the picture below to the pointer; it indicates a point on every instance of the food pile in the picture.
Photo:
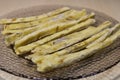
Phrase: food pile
(58, 38)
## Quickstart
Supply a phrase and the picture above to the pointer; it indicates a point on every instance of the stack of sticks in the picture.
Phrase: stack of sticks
(58, 38)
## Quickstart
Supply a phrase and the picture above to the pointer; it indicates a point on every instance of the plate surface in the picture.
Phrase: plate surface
(100, 62)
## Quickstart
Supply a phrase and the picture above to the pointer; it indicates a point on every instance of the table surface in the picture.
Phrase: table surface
(109, 7)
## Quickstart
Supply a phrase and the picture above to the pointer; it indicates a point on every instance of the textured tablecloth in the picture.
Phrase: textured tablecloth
(110, 7)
